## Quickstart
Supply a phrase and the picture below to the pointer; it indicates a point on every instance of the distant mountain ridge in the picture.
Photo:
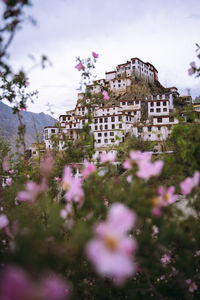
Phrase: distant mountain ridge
(35, 123)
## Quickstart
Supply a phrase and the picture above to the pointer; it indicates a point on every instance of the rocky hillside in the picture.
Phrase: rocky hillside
(35, 122)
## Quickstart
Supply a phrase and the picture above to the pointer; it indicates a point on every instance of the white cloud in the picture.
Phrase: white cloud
(161, 33)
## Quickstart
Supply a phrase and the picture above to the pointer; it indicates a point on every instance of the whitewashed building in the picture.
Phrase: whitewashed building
(149, 117)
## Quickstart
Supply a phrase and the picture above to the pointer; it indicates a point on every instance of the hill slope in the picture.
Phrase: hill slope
(35, 122)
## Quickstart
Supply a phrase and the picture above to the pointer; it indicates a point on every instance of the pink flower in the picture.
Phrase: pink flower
(139, 156)
(53, 287)
(157, 212)
(57, 178)
(95, 55)
(11, 171)
(33, 190)
(88, 169)
(129, 178)
(193, 68)
(67, 211)
(5, 163)
(165, 259)
(3, 221)
(107, 157)
(27, 83)
(73, 187)
(9, 181)
(23, 109)
(105, 95)
(80, 66)
(167, 196)
(15, 284)
(111, 250)
(75, 192)
(136, 157)
(189, 183)
(148, 169)
(127, 164)
(192, 285)
(66, 178)
(47, 165)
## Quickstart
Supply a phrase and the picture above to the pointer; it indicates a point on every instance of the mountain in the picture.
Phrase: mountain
(35, 123)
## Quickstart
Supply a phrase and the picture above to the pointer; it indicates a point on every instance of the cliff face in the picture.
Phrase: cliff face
(35, 123)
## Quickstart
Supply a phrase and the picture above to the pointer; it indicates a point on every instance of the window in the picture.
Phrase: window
(120, 125)
(112, 119)
(105, 133)
(158, 104)
(164, 109)
(140, 129)
(101, 120)
(106, 126)
(96, 127)
(119, 118)
(106, 120)
(157, 109)
(160, 96)
(112, 140)
(111, 133)
(96, 120)
(106, 141)
(137, 102)
(53, 131)
(171, 119)
(151, 110)
(113, 126)
(101, 127)
(159, 128)
(159, 120)
(149, 128)
(123, 103)
(152, 103)
(98, 141)
(164, 103)
(129, 113)
(99, 134)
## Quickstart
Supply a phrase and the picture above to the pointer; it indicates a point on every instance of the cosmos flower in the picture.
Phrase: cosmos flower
(111, 250)
(9, 181)
(189, 183)
(105, 95)
(73, 187)
(80, 66)
(33, 190)
(107, 157)
(88, 169)
(95, 55)
(193, 68)
(3, 221)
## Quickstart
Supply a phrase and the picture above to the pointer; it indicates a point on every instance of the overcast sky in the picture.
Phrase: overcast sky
(163, 33)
